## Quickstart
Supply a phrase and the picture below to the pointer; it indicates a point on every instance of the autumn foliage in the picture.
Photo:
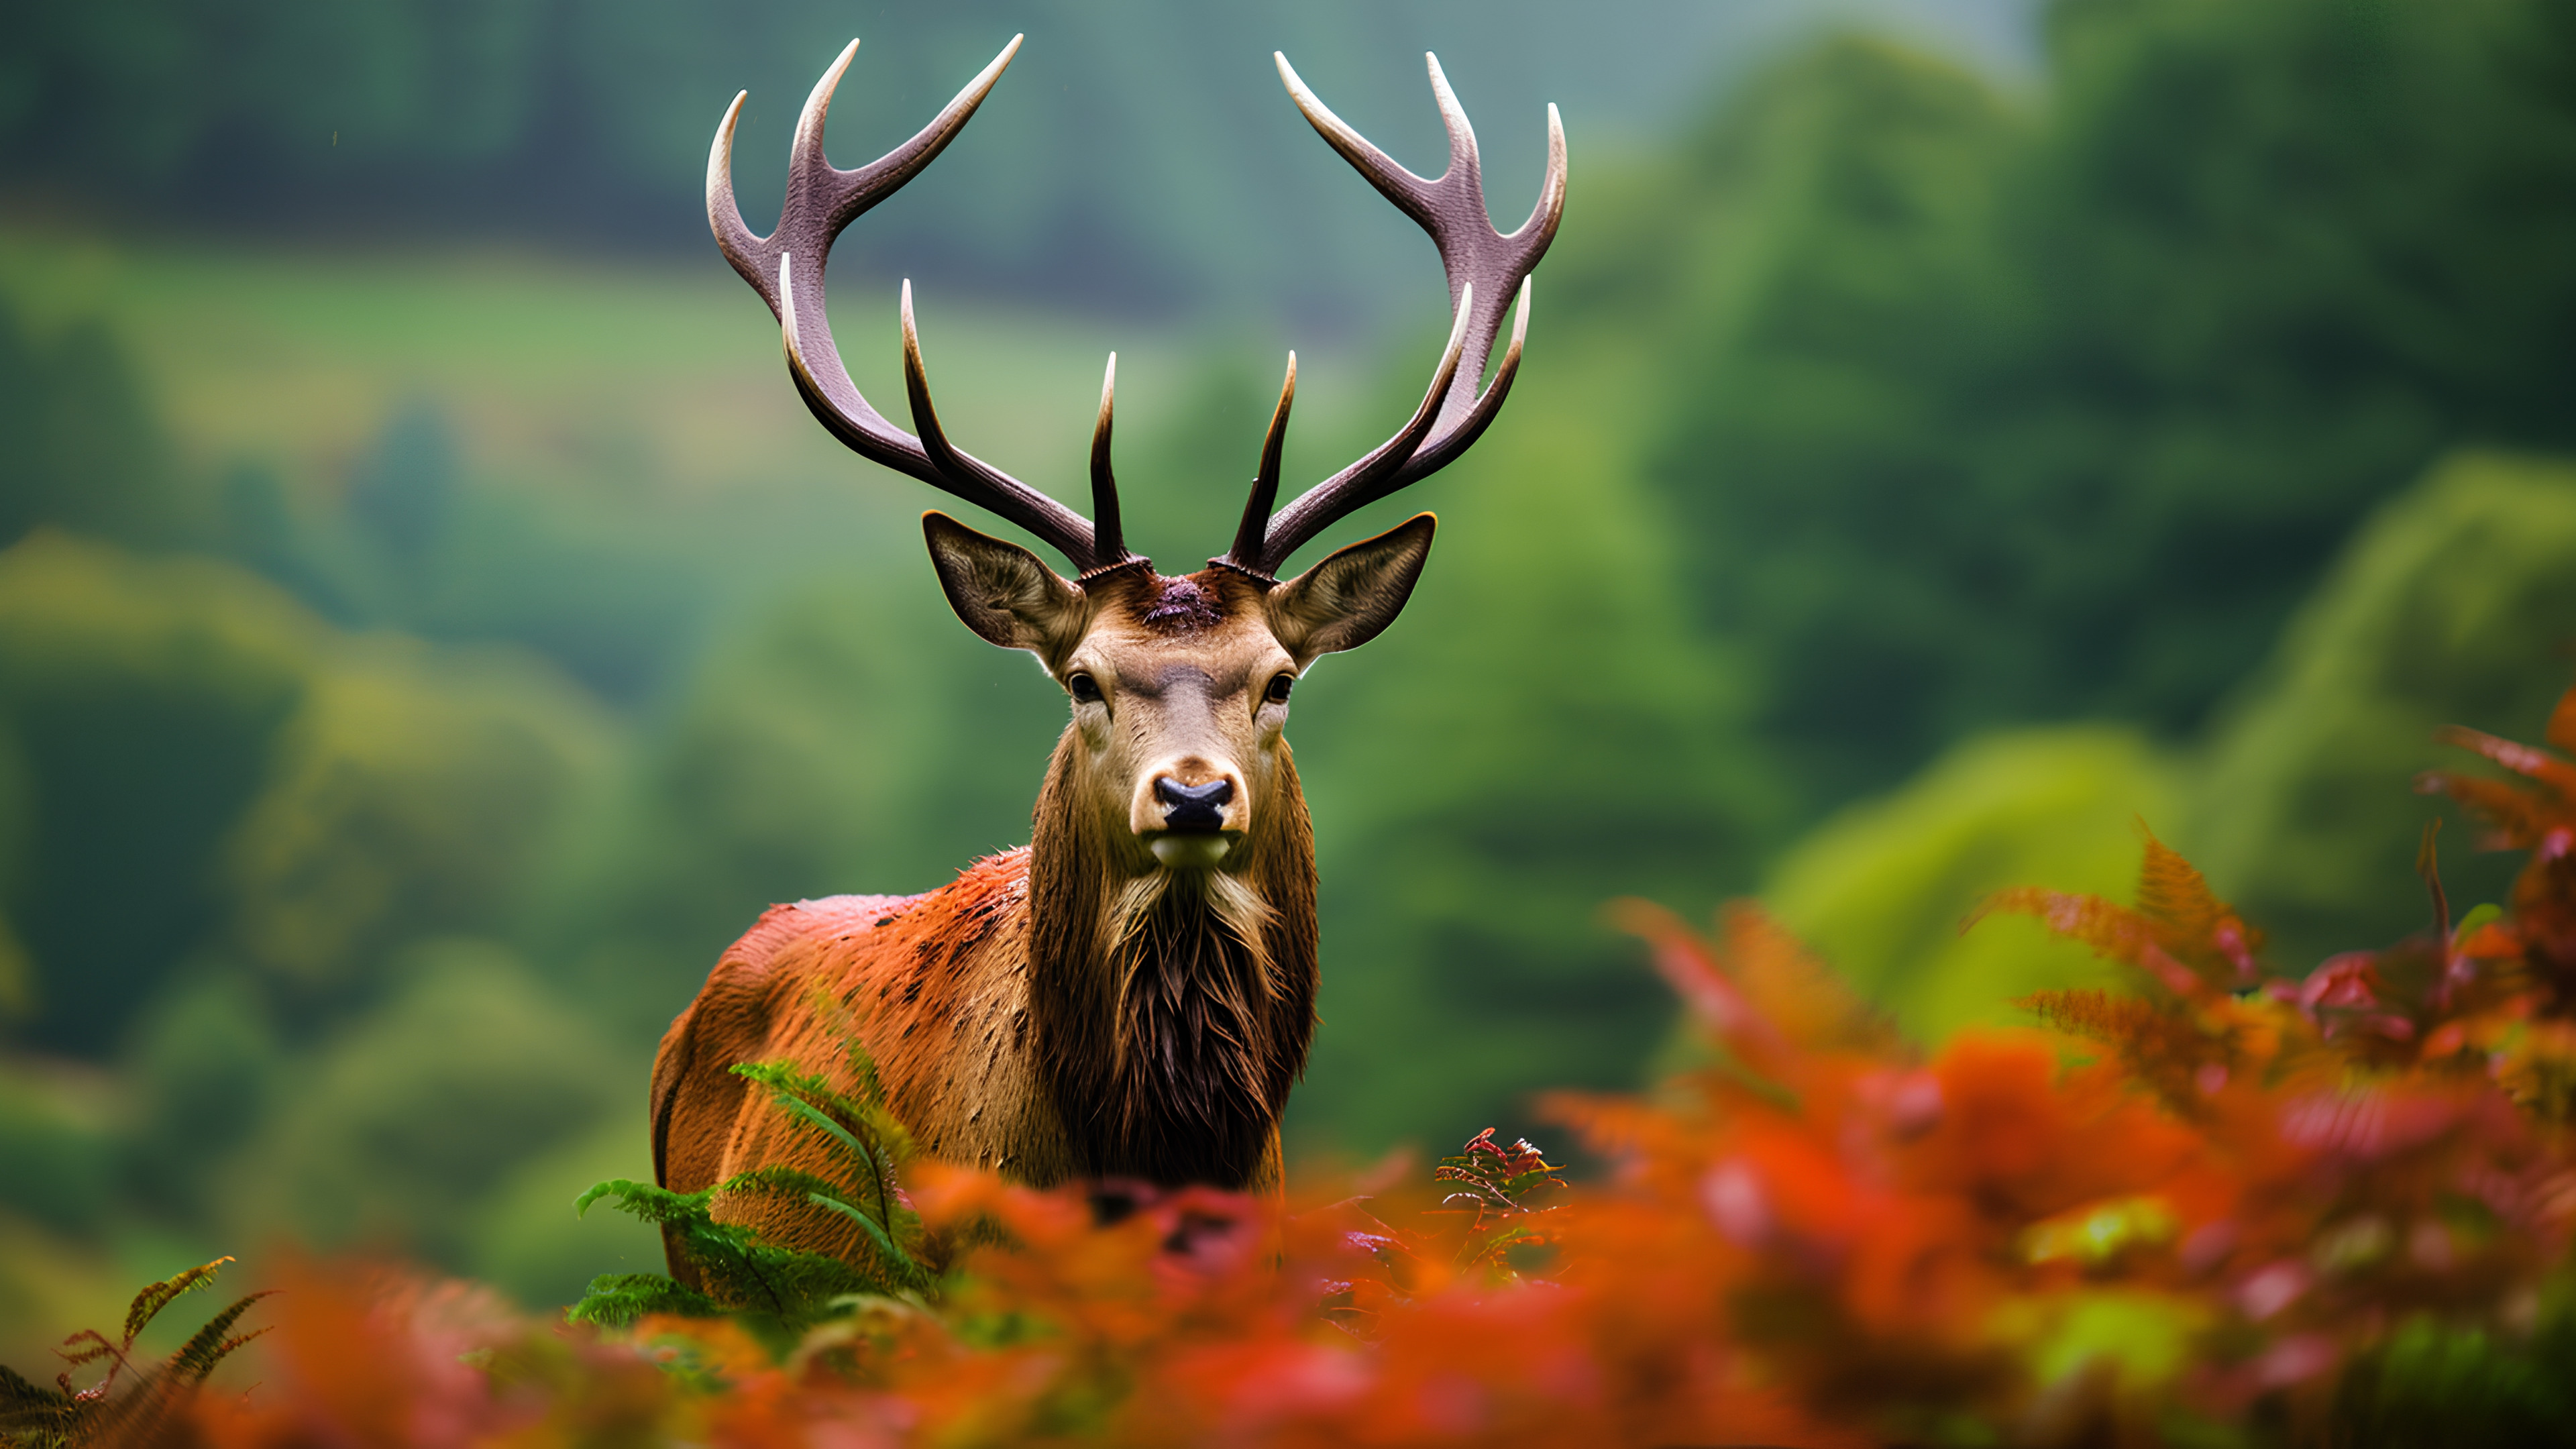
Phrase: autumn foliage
(2225, 1204)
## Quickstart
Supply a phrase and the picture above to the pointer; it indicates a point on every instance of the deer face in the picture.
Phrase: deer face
(1179, 686)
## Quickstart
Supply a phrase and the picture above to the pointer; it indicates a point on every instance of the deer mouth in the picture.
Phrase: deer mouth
(1191, 827)
(1202, 849)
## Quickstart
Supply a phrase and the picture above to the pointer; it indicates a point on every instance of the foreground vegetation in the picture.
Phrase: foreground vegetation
(2222, 1204)
(415, 665)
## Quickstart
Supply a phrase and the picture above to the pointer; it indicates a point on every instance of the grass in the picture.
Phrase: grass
(616, 382)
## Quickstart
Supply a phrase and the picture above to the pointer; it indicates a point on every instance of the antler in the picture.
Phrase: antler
(786, 268)
(1486, 269)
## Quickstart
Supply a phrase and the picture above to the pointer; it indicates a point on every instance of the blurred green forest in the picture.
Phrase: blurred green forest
(1147, 166)
(1937, 454)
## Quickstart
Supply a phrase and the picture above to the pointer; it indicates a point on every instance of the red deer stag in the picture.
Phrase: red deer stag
(1132, 993)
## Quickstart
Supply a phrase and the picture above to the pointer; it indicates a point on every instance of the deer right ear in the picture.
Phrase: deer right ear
(1004, 592)
(1345, 601)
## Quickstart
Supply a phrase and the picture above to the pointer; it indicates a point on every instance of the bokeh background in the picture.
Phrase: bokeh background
(1955, 434)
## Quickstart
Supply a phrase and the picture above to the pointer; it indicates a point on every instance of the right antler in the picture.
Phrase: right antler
(1486, 269)
(786, 268)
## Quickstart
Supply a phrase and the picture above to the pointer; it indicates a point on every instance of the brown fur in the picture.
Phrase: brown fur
(1070, 1009)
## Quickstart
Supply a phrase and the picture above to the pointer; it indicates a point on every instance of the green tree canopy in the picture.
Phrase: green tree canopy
(2456, 605)
(1985, 407)
(203, 766)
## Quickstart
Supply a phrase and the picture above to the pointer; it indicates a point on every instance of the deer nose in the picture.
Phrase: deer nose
(1193, 807)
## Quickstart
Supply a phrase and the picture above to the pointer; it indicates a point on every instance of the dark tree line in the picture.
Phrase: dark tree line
(1139, 154)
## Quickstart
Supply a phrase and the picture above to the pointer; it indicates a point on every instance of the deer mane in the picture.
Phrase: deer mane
(1172, 1009)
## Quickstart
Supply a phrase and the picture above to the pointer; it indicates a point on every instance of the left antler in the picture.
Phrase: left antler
(786, 268)
(1486, 270)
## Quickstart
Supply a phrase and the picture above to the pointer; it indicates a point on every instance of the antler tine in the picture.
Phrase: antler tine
(1265, 482)
(1549, 209)
(787, 269)
(1464, 163)
(805, 151)
(724, 214)
(822, 200)
(1399, 185)
(1109, 543)
(977, 481)
(1488, 272)
(1381, 472)
(1459, 437)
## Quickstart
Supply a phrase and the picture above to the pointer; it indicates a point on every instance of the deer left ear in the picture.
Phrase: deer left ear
(1348, 599)
(1004, 592)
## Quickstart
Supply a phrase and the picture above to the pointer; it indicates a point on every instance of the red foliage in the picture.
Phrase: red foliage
(2523, 965)
(1817, 1235)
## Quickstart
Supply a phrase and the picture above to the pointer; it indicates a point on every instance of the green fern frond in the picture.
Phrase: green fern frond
(777, 1182)
(765, 1284)
(209, 1346)
(618, 1300)
(33, 1416)
(770, 1288)
(907, 1270)
(787, 1098)
(644, 1200)
(148, 1304)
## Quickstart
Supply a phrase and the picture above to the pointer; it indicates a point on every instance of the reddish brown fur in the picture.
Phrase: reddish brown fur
(1007, 1030)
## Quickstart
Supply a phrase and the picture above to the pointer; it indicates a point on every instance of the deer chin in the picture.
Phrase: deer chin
(1191, 849)
(1216, 899)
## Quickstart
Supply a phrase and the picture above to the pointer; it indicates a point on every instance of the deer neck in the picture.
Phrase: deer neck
(1171, 1009)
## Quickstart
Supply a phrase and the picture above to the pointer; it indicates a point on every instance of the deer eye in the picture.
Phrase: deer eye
(1279, 688)
(1083, 687)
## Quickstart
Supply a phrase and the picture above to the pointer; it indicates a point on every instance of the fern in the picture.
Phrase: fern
(2161, 1043)
(34, 1416)
(1500, 1188)
(872, 1145)
(618, 1300)
(779, 1291)
(2179, 935)
(776, 1291)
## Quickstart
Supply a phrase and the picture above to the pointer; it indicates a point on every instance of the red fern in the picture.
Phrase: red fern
(2539, 817)
(1818, 1236)
(2180, 934)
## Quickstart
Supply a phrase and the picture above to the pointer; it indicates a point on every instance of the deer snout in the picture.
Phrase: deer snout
(1189, 813)
(1193, 807)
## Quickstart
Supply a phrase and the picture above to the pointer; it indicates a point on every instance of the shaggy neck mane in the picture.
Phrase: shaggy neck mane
(1172, 1008)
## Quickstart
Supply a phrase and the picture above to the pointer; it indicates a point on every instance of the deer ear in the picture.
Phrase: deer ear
(1004, 592)
(1345, 601)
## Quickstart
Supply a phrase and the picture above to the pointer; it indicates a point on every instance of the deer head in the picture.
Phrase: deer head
(1179, 686)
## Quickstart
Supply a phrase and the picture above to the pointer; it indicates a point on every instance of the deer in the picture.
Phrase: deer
(1129, 996)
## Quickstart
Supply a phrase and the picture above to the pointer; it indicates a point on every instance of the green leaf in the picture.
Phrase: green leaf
(778, 1181)
(209, 1346)
(17, 1392)
(789, 1101)
(148, 1304)
(2478, 916)
(885, 1244)
(618, 1300)
(644, 1200)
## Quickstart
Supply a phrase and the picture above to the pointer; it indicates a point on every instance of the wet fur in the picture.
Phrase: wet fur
(1174, 1012)
(1063, 1010)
